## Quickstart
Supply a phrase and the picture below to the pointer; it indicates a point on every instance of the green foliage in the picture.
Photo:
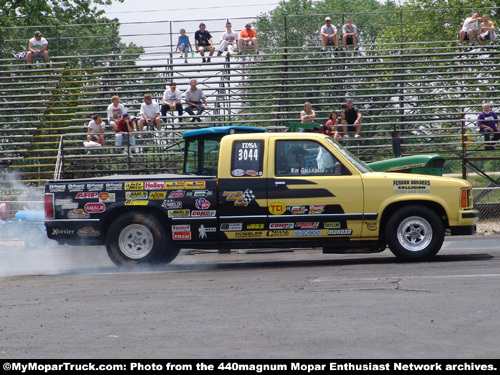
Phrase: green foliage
(54, 12)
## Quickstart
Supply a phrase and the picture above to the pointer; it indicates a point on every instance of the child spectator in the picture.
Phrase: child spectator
(183, 45)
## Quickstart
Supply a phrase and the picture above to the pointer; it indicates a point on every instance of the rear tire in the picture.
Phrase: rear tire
(136, 238)
(415, 233)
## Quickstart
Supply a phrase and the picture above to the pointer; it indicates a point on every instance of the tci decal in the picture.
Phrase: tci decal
(277, 208)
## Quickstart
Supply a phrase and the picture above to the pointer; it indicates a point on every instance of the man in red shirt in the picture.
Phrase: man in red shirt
(125, 129)
(248, 37)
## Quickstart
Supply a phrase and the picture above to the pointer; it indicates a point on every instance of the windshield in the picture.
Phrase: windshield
(361, 165)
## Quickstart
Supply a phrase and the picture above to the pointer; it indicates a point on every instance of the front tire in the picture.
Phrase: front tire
(415, 233)
(136, 238)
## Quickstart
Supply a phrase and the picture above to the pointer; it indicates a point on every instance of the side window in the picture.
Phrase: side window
(247, 159)
(297, 158)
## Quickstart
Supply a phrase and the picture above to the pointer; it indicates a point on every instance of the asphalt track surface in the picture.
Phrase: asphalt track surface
(68, 302)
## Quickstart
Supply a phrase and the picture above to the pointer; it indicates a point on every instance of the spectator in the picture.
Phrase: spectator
(38, 49)
(489, 123)
(95, 130)
(5, 209)
(125, 129)
(487, 30)
(469, 29)
(351, 119)
(307, 114)
(332, 123)
(329, 35)
(115, 110)
(349, 34)
(172, 101)
(228, 41)
(248, 39)
(203, 42)
(150, 113)
(194, 98)
(183, 45)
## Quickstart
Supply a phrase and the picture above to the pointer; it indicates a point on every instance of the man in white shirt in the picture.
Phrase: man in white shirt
(228, 41)
(115, 110)
(349, 34)
(96, 130)
(469, 29)
(171, 101)
(150, 113)
(38, 48)
(329, 35)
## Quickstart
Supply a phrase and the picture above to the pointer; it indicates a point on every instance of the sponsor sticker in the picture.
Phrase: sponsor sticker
(171, 204)
(297, 210)
(277, 208)
(195, 185)
(181, 228)
(87, 232)
(330, 225)
(87, 195)
(78, 213)
(95, 187)
(307, 225)
(281, 226)
(95, 208)
(203, 213)
(228, 227)
(250, 234)
(177, 194)
(61, 232)
(307, 232)
(76, 187)
(114, 186)
(181, 236)
(106, 197)
(57, 188)
(154, 185)
(202, 204)
(238, 173)
(278, 233)
(134, 185)
(339, 232)
(135, 202)
(136, 195)
(179, 213)
(158, 195)
(316, 209)
(255, 226)
(174, 185)
(199, 193)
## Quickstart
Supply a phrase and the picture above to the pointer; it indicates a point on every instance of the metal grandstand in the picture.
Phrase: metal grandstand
(426, 93)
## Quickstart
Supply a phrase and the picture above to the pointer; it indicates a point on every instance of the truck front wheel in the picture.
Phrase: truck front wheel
(135, 238)
(414, 233)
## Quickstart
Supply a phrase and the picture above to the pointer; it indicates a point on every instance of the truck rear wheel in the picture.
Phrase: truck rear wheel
(135, 238)
(415, 233)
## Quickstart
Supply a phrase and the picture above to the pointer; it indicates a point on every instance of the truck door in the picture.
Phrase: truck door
(242, 189)
(312, 194)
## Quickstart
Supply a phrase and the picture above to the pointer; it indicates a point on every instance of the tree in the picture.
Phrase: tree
(53, 12)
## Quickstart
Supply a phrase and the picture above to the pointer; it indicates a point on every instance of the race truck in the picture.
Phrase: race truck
(261, 190)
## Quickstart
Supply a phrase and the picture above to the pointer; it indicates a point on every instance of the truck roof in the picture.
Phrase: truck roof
(223, 130)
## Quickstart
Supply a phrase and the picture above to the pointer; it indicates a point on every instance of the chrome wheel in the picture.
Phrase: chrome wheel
(136, 241)
(414, 233)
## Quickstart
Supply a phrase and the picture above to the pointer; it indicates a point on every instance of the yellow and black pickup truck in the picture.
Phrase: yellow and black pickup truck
(261, 190)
